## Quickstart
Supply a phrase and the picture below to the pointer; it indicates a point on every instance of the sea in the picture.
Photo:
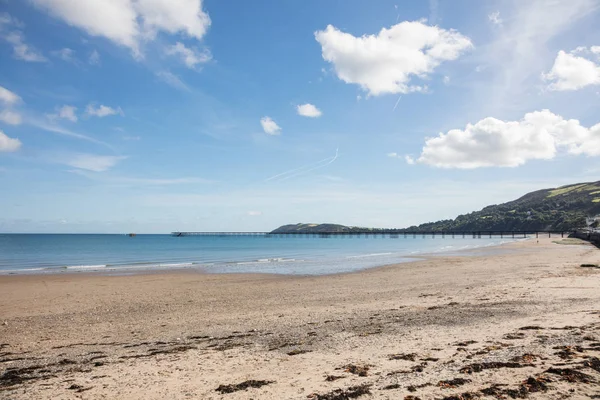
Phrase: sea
(272, 254)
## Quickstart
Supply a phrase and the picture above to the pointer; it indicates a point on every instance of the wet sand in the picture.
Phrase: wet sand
(524, 323)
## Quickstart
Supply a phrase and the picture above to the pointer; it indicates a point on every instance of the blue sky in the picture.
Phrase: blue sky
(164, 115)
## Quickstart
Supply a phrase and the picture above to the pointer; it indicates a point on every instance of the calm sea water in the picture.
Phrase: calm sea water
(37, 253)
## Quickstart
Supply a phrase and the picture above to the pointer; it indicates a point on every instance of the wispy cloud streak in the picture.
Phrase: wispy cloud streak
(303, 170)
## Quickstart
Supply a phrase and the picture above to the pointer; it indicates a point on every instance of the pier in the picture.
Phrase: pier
(392, 234)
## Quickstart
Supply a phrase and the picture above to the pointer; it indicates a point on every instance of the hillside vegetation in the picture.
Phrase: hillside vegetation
(559, 209)
(563, 208)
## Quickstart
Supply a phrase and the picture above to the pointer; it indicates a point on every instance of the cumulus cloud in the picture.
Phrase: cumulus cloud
(270, 126)
(190, 57)
(102, 111)
(94, 58)
(65, 54)
(494, 18)
(387, 62)
(572, 72)
(495, 143)
(65, 112)
(8, 144)
(92, 162)
(7, 97)
(10, 117)
(21, 50)
(129, 22)
(308, 110)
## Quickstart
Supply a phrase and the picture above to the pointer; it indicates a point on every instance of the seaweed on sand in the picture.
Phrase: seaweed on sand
(478, 367)
(462, 396)
(570, 375)
(452, 383)
(343, 394)
(360, 370)
(298, 351)
(593, 363)
(402, 356)
(242, 386)
(530, 385)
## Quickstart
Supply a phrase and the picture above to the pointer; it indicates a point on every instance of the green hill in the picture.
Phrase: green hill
(563, 208)
(560, 209)
(312, 228)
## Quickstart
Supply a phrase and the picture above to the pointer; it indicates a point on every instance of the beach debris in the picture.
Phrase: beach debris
(343, 394)
(525, 358)
(465, 343)
(392, 386)
(462, 396)
(590, 266)
(530, 328)
(478, 367)
(360, 370)
(331, 378)
(298, 351)
(411, 397)
(432, 359)
(242, 386)
(514, 336)
(403, 356)
(570, 375)
(531, 385)
(413, 388)
(79, 388)
(453, 383)
(593, 363)
(568, 352)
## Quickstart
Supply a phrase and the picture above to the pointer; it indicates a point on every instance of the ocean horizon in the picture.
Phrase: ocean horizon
(290, 255)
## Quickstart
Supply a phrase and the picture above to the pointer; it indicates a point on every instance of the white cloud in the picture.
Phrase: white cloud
(94, 58)
(21, 50)
(254, 213)
(92, 162)
(386, 62)
(172, 80)
(595, 49)
(129, 22)
(10, 117)
(65, 54)
(102, 111)
(65, 112)
(409, 159)
(7, 97)
(446, 80)
(8, 144)
(571, 72)
(190, 57)
(270, 126)
(492, 142)
(495, 19)
(518, 53)
(308, 110)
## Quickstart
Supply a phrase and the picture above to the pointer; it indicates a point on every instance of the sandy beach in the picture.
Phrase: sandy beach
(523, 322)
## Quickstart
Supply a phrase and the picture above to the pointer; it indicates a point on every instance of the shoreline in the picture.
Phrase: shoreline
(130, 269)
(408, 326)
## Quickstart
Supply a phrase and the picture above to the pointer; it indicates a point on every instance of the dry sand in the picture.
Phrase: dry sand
(524, 322)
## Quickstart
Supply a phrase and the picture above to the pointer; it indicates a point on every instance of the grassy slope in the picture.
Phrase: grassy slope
(563, 208)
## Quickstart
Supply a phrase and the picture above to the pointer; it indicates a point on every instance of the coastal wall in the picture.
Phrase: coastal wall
(592, 237)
